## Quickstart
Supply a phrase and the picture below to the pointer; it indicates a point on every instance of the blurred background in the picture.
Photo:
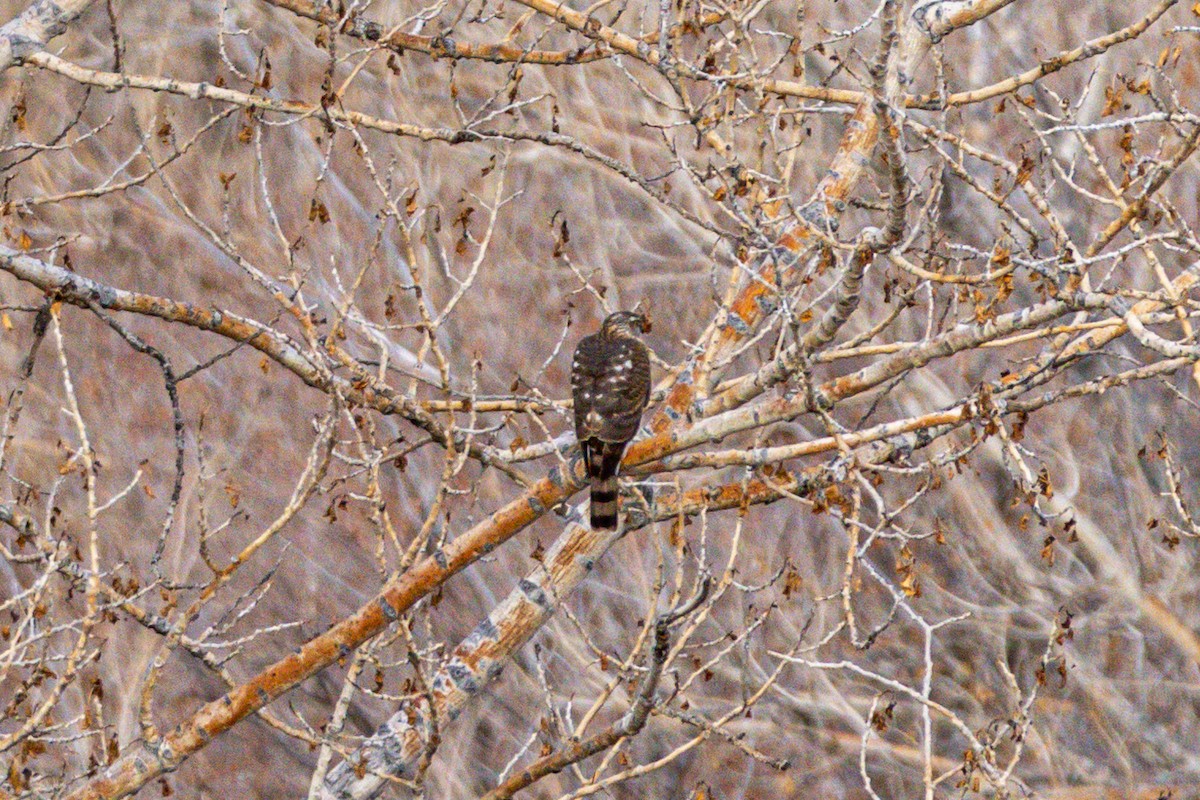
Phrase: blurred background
(525, 243)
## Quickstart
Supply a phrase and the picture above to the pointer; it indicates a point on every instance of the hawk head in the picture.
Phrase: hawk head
(624, 325)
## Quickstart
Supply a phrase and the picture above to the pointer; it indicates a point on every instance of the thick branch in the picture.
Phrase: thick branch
(453, 136)
(33, 29)
(446, 47)
(1050, 65)
(396, 746)
(285, 351)
(136, 767)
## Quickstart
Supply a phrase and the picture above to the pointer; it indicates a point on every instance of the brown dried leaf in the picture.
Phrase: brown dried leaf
(1048, 550)
(792, 582)
(1114, 100)
(17, 114)
(317, 211)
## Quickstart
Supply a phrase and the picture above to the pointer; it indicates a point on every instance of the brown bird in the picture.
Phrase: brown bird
(610, 382)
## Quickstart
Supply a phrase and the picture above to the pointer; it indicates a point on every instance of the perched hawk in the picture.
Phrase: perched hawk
(610, 381)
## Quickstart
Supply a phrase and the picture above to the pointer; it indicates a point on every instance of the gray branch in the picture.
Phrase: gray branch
(33, 28)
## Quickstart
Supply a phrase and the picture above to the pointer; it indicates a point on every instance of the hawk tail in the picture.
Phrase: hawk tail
(604, 504)
(604, 486)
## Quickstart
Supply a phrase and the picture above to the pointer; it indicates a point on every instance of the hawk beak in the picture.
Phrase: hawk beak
(642, 309)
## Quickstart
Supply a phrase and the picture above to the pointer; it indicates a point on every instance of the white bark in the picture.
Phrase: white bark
(34, 27)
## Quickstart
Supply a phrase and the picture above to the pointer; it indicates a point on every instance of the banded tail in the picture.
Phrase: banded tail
(603, 460)
(604, 503)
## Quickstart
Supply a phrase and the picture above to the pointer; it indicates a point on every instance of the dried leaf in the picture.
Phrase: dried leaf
(792, 582)
(1048, 550)
(881, 718)
(1114, 100)
(1025, 171)
(317, 211)
(17, 115)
